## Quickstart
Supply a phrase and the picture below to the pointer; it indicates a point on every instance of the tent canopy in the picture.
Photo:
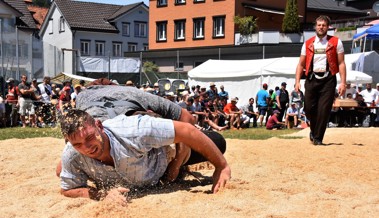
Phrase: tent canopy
(229, 68)
(370, 33)
(66, 76)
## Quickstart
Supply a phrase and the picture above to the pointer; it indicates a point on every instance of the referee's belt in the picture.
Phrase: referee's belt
(320, 75)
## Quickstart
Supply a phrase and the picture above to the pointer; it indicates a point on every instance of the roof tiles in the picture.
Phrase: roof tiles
(91, 16)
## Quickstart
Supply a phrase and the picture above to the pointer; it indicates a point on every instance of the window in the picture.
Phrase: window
(198, 28)
(180, 29)
(140, 29)
(61, 25)
(84, 47)
(100, 48)
(161, 3)
(132, 47)
(145, 47)
(180, 2)
(117, 49)
(51, 27)
(126, 29)
(198, 1)
(179, 66)
(219, 26)
(162, 31)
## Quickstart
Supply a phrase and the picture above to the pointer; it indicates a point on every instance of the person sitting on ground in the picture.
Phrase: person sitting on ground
(233, 113)
(361, 111)
(273, 122)
(292, 115)
(131, 151)
(248, 110)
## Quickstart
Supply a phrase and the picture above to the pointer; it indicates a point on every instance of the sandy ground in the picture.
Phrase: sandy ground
(270, 178)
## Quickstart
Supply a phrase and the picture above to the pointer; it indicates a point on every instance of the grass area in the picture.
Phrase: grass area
(22, 133)
(259, 134)
(249, 134)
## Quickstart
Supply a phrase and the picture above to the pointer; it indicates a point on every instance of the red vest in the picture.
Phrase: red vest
(331, 54)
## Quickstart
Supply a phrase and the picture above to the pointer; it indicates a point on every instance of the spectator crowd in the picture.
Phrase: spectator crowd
(39, 105)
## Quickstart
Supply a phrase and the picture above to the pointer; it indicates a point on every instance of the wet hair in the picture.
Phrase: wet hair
(323, 18)
(73, 120)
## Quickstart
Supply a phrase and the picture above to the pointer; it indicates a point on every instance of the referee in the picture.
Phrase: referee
(322, 57)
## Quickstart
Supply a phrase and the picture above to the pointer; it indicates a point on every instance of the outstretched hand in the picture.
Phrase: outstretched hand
(220, 178)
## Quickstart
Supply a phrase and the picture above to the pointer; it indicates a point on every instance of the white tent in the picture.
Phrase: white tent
(244, 78)
(356, 77)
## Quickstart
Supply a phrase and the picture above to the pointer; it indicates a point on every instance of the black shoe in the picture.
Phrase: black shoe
(317, 142)
(311, 136)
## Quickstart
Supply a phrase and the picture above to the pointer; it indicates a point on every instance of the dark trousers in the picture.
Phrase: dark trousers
(217, 138)
(254, 119)
(283, 108)
(318, 102)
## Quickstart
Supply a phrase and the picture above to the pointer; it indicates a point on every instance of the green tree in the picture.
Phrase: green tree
(42, 3)
(291, 22)
(246, 25)
(150, 67)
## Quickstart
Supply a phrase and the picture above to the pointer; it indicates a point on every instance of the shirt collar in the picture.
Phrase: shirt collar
(320, 40)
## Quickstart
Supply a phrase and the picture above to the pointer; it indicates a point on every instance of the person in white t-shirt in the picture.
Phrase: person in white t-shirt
(350, 90)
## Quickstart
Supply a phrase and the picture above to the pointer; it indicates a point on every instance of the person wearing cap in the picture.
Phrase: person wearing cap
(282, 100)
(212, 91)
(234, 114)
(322, 57)
(203, 90)
(26, 102)
(77, 90)
(350, 90)
(273, 123)
(65, 99)
(223, 93)
(292, 115)
(262, 98)
(12, 101)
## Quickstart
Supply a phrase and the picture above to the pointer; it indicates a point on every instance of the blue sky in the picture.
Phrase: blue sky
(117, 2)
